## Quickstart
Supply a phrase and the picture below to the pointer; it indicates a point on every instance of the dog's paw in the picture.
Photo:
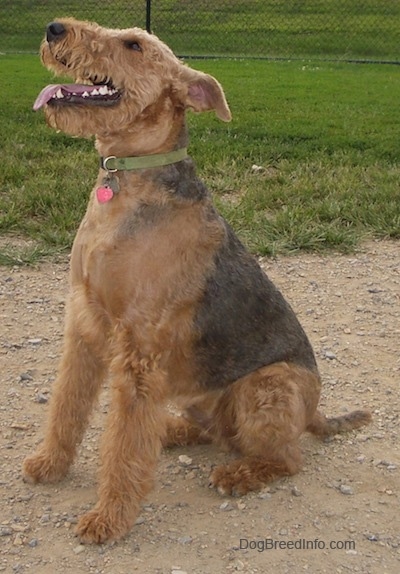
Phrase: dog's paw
(44, 467)
(235, 479)
(97, 527)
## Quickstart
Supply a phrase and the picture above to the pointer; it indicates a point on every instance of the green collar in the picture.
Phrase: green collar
(112, 163)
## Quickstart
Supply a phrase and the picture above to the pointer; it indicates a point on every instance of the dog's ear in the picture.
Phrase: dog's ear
(203, 93)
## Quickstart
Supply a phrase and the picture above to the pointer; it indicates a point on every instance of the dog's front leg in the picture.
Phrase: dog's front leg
(80, 375)
(131, 444)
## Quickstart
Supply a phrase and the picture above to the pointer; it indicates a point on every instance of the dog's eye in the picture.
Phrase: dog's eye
(132, 45)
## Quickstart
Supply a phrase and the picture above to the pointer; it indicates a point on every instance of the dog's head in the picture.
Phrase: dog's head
(122, 77)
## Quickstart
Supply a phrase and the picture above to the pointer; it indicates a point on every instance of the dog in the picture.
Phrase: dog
(164, 298)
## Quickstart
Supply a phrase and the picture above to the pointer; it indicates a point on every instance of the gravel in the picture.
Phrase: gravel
(346, 494)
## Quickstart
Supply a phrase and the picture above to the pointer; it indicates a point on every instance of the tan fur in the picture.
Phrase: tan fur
(136, 287)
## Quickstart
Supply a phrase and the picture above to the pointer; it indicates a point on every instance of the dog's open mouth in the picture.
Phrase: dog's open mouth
(72, 94)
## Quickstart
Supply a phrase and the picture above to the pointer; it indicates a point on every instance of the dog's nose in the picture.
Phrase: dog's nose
(55, 31)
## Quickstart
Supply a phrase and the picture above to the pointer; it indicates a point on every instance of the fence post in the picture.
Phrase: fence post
(148, 16)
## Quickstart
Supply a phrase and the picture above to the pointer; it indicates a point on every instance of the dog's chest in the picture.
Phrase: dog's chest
(151, 263)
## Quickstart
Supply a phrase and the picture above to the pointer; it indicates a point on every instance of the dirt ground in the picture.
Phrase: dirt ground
(340, 514)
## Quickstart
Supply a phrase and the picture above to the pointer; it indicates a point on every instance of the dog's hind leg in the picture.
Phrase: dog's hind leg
(192, 427)
(79, 379)
(181, 432)
(261, 417)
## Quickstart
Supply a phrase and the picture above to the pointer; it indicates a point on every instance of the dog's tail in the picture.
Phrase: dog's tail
(322, 426)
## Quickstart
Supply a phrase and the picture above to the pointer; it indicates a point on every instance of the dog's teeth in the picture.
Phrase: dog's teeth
(59, 94)
(95, 93)
(103, 90)
(85, 95)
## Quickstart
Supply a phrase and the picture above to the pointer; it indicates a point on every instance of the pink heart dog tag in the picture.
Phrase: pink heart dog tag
(104, 194)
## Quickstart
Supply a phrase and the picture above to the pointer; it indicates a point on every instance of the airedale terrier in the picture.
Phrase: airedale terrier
(163, 297)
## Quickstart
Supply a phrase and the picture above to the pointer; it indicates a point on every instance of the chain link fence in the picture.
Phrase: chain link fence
(323, 29)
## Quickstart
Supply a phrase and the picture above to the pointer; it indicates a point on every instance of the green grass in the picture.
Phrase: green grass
(325, 135)
(268, 28)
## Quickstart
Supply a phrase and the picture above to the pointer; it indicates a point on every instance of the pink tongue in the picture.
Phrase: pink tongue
(48, 92)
